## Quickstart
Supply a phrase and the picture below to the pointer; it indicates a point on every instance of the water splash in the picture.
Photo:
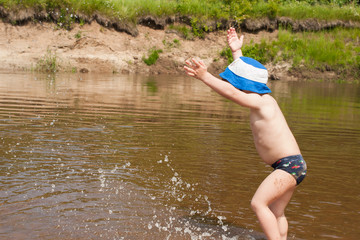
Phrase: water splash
(195, 221)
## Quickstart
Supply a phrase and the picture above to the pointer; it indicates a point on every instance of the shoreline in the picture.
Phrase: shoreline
(95, 48)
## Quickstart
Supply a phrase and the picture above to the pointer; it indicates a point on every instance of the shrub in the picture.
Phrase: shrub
(227, 54)
(262, 52)
(153, 56)
(183, 30)
(78, 35)
(48, 63)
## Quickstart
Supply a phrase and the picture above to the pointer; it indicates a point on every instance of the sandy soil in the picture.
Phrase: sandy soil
(105, 50)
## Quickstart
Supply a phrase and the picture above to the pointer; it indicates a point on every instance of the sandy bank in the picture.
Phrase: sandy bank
(94, 48)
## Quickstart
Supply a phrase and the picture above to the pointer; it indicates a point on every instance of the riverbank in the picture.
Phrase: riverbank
(294, 39)
(94, 48)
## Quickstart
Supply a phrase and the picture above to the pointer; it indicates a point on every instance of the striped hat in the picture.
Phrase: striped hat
(247, 74)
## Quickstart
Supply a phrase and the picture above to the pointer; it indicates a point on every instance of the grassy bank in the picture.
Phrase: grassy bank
(130, 10)
(335, 50)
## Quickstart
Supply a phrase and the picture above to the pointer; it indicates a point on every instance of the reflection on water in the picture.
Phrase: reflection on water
(121, 157)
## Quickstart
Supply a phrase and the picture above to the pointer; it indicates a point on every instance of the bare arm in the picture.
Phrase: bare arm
(197, 69)
(235, 43)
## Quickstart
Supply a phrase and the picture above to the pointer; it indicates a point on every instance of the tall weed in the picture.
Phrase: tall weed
(263, 52)
(153, 56)
(336, 50)
(227, 54)
(48, 63)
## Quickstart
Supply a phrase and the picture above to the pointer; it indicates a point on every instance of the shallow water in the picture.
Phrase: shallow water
(125, 157)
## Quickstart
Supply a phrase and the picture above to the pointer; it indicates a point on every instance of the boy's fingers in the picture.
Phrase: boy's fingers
(189, 70)
(199, 63)
(193, 64)
(188, 63)
(196, 62)
(190, 74)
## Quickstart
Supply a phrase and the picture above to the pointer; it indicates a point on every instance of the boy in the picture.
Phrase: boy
(246, 85)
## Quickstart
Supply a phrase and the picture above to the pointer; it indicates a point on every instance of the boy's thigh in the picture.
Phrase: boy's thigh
(277, 187)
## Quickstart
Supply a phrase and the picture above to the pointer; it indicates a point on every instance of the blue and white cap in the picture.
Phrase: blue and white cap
(247, 74)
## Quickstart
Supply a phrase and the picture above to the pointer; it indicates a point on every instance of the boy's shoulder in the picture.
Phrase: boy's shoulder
(264, 99)
(267, 98)
(267, 107)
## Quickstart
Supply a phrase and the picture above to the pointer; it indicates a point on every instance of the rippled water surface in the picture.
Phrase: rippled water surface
(125, 157)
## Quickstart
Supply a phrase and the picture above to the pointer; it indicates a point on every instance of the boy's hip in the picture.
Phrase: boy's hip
(295, 165)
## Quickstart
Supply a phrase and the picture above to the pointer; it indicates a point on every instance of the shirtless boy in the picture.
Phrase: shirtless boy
(245, 84)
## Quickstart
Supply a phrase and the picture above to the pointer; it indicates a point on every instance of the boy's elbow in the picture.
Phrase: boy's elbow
(229, 94)
(232, 94)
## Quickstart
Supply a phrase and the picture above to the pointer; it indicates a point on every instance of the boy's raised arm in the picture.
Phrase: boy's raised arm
(235, 43)
(197, 69)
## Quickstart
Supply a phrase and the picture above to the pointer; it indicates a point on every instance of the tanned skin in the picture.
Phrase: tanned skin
(272, 137)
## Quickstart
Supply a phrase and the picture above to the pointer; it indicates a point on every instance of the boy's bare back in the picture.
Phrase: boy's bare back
(272, 136)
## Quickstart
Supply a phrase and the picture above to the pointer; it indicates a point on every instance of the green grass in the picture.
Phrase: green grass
(336, 50)
(185, 31)
(48, 63)
(153, 56)
(203, 10)
(172, 44)
(303, 10)
(227, 54)
(78, 35)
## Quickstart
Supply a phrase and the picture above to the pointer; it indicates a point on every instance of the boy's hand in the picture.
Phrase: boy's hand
(235, 43)
(195, 68)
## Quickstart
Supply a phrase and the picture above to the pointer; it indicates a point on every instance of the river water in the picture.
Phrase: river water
(164, 157)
